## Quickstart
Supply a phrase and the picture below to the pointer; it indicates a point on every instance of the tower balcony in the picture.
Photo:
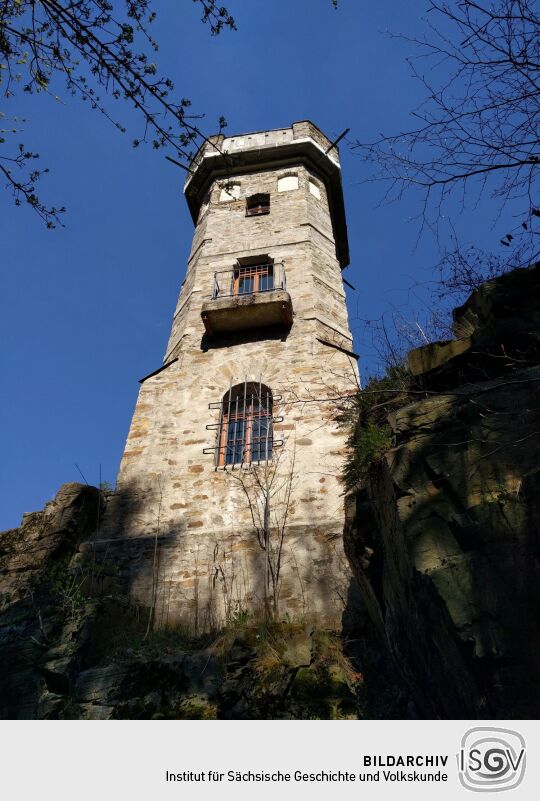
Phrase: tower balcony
(248, 296)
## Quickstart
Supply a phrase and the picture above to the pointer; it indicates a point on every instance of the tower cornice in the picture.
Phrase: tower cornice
(221, 157)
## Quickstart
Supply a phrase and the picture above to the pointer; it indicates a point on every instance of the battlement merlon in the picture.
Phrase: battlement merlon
(221, 157)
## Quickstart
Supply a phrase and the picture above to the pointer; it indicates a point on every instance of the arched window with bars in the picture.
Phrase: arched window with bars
(245, 430)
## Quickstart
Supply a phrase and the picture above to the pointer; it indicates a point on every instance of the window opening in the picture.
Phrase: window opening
(251, 278)
(246, 425)
(257, 205)
(245, 429)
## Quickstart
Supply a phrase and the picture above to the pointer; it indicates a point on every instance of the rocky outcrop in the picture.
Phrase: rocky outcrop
(497, 329)
(43, 619)
(443, 534)
(73, 645)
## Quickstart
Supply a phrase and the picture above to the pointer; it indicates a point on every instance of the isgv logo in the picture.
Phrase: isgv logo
(491, 759)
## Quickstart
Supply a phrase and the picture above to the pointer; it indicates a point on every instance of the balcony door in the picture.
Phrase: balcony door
(253, 278)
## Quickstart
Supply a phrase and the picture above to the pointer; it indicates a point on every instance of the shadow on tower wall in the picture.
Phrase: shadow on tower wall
(276, 333)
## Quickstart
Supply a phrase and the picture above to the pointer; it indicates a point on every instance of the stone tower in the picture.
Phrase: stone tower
(229, 496)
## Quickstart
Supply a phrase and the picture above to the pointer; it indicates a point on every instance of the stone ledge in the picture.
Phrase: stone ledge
(429, 357)
(238, 312)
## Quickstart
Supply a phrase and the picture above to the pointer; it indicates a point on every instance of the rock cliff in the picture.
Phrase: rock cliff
(443, 532)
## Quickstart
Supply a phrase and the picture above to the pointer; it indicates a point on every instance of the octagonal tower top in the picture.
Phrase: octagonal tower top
(222, 157)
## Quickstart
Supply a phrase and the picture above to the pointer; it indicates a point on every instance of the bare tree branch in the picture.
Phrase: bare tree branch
(477, 131)
(94, 50)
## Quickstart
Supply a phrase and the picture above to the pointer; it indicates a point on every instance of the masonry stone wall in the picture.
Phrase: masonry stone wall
(190, 528)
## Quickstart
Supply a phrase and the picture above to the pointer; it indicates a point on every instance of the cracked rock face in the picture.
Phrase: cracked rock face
(444, 537)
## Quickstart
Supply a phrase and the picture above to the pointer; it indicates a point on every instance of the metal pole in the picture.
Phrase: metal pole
(244, 418)
(235, 429)
(228, 424)
(267, 423)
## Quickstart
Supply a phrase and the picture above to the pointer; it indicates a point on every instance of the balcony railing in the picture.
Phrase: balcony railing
(248, 296)
(249, 280)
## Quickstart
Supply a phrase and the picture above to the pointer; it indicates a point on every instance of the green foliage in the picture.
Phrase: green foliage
(328, 688)
(168, 640)
(367, 417)
(70, 583)
(502, 494)
(238, 618)
(372, 443)
(66, 586)
(323, 694)
(197, 709)
(121, 630)
(301, 671)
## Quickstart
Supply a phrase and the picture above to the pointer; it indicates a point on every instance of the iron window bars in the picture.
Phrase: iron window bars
(249, 279)
(245, 428)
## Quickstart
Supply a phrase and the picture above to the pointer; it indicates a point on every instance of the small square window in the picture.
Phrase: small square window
(257, 204)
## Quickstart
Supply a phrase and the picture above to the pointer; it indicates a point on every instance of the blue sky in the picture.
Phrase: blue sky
(86, 309)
